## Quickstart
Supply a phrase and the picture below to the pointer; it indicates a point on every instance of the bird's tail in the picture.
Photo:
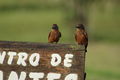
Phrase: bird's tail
(85, 48)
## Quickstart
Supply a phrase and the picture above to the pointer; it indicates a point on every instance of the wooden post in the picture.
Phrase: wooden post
(71, 61)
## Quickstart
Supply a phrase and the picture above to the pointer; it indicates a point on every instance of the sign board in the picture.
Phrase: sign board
(38, 61)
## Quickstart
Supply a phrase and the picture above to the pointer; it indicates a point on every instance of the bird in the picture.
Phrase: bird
(81, 36)
(54, 34)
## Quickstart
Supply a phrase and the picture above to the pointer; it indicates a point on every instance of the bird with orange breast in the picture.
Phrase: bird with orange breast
(54, 34)
(81, 36)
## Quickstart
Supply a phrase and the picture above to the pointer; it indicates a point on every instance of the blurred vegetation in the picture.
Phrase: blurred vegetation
(103, 61)
(101, 16)
(31, 20)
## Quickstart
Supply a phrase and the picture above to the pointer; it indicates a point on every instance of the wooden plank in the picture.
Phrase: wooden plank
(45, 51)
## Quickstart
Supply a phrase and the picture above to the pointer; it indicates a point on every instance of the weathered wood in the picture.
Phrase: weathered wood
(45, 51)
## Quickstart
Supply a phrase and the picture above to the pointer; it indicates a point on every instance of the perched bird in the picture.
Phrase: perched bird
(54, 35)
(81, 36)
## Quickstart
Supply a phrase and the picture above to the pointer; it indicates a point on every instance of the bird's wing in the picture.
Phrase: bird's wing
(60, 34)
(49, 35)
(86, 36)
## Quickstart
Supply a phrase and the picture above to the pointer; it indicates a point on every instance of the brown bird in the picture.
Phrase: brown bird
(81, 36)
(54, 35)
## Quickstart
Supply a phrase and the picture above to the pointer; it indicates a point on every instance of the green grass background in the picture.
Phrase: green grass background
(31, 21)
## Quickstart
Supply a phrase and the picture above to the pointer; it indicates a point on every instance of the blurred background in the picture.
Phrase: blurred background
(31, 20)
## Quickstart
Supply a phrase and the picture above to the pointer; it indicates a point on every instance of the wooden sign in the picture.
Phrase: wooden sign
(36, 61)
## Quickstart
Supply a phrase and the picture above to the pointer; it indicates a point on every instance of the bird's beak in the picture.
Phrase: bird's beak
(53, 27)
(76, 27)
